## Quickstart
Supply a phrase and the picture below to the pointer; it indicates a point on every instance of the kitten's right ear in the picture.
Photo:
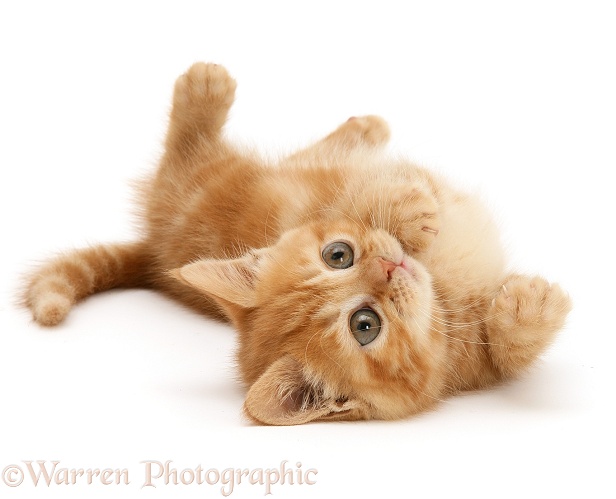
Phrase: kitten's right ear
(230, 282)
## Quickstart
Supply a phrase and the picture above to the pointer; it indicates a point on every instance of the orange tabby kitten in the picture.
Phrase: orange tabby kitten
(362, 287)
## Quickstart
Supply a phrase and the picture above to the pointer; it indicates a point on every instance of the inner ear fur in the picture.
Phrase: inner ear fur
(230, 282)
(284, 396)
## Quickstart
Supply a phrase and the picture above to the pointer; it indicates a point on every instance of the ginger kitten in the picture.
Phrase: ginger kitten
(362, 287)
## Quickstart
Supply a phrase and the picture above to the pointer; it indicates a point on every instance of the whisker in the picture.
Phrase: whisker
(436, 319)
(269, 210)
(325, 352)
(337, 211)
(306, 349)
(357, 213)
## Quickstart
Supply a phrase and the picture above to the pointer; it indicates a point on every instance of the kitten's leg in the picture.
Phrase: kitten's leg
(362, 131)
(201, 100)
(368, 130)
(522, 321)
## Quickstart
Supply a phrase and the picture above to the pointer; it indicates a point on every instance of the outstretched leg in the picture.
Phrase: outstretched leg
(359, 131)
(362, 131)
(201, 100)
(522, 321)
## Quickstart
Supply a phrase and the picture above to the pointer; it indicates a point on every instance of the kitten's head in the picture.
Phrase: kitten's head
(334, 322)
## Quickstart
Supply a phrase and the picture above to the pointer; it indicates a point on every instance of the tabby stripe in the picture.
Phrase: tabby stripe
(71, 277)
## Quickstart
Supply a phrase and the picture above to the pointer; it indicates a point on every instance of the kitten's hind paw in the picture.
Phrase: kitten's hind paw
(204, 92)
(371, 130)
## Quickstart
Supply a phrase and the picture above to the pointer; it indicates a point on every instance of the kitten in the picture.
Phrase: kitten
(362, 287)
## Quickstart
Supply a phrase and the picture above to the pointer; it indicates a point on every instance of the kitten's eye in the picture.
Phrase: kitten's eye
(365, 325)
(338, 255)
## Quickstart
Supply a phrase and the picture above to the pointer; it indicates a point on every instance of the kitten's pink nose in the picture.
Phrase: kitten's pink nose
(387, 266)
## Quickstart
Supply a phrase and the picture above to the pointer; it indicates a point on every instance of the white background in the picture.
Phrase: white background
(516, 102)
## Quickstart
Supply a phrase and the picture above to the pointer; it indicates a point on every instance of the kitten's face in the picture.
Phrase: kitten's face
(335, 323)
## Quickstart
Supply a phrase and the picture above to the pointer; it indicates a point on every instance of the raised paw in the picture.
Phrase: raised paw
(523, 318)
(205, 84)
(417, 219)
(525, 301)
(372, 130)
(201, 101)
(362, 130)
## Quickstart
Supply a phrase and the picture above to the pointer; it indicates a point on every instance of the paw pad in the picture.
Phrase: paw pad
(530, 301)
(205, 85)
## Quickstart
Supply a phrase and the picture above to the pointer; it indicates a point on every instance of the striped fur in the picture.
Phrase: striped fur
(58, 285)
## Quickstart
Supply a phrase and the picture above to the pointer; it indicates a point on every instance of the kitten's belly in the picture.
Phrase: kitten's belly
(467, 249)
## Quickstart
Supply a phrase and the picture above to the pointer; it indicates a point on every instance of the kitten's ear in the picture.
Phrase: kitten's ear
(283, 396)
(230, 282)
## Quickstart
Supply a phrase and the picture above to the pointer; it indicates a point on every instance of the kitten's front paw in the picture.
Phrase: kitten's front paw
(418, 222)
(204, 87)
(529, 307)
(524, 317)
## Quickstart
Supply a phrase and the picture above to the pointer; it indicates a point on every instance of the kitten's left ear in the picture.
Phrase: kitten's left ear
(283, 395)
(231, 282)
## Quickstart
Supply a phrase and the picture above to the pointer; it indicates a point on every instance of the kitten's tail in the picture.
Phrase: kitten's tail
(58, 285)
